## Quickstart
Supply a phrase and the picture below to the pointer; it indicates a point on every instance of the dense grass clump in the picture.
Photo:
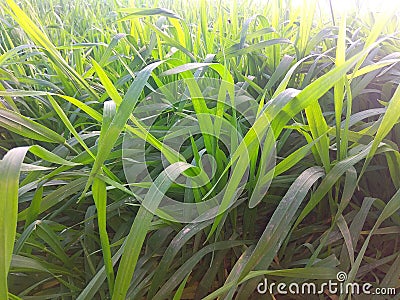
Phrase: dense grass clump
(173, 151)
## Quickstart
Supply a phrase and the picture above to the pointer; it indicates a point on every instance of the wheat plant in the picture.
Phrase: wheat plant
(178, 150)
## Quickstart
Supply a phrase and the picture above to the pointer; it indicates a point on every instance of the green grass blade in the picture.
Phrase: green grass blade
(390, 118)
(108, 85)
(28, 128)
(100, 199)
(10, 169)
(391, 208)
(41, 39)
(280, 222)
(121, 117)
(140, 226)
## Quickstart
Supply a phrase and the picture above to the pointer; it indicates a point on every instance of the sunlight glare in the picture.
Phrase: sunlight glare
(340, 6)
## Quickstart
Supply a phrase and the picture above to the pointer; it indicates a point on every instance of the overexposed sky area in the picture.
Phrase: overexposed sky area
(365, 5)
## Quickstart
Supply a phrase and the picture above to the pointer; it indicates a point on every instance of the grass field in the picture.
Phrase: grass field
(176, 150)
